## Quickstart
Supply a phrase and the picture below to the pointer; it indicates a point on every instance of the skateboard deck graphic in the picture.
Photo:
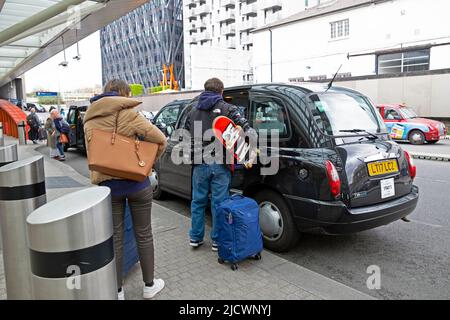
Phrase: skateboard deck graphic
(233, 140)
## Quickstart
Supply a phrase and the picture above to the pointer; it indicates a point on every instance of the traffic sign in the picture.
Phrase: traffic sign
(46, 94)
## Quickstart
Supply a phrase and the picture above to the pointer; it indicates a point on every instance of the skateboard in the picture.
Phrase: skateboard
(233, 139)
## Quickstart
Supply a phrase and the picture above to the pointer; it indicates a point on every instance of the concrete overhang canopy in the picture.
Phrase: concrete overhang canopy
(32, 31)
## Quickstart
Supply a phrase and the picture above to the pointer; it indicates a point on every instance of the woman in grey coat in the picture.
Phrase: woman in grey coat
(51, 139)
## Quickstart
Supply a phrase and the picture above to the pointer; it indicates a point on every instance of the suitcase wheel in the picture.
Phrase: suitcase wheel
(220, 260)
(234, 267)
(257, 256)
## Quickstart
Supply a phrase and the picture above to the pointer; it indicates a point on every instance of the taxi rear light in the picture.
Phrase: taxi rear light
(412, 168)
(333, 179)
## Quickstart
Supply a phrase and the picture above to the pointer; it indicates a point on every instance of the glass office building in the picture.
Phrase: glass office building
(136, 46)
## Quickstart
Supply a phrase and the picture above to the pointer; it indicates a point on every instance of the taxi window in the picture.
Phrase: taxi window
(391, 114)
(71, 116)
(267, 113)
(168, 116)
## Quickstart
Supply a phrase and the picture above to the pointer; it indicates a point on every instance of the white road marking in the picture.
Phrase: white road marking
(433, 180)
(428, 224)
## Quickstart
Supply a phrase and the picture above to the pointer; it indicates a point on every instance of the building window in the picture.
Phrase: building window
(343, 75)
(400, 62)
(318, 78)
(340, 29)
(298, 79)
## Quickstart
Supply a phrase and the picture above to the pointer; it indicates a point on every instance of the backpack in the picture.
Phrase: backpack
(30, 120)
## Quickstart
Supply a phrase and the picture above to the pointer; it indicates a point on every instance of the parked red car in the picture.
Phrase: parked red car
(404, 124)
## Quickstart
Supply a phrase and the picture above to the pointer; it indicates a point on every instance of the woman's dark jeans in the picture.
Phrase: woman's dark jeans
(141, 208)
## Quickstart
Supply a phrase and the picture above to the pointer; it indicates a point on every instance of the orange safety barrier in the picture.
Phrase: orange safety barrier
(10, 116)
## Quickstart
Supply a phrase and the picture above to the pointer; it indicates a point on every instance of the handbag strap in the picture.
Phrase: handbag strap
(116, 125)
(136, 141)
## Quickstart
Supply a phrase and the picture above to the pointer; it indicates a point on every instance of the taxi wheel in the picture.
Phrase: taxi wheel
(158, 194)
(275, 218)
(416, 137)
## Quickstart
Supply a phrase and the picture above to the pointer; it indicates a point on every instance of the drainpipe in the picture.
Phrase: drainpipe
(37, 19)
(271, 56)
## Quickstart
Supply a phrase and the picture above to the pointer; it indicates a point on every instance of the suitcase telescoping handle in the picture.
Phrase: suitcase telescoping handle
(237, 196)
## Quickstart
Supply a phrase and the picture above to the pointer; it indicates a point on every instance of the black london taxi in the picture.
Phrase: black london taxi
(75, 118)
(339, 172)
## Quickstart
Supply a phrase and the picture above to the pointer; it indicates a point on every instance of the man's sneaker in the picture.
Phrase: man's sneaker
(195, 243)
(150, 292)
(62, 159)
(121, 295)
(215, 247)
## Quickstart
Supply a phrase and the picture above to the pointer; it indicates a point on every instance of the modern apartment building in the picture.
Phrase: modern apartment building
(394, 51)
(218, 39)
(136, 46)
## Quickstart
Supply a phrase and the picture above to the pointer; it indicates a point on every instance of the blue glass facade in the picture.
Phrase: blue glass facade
(135, 47)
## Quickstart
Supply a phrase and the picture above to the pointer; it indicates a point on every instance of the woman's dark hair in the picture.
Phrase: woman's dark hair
(214, 85)
(119, 86)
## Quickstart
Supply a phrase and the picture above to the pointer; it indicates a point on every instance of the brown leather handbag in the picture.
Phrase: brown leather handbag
(119, 156)
(63, 139)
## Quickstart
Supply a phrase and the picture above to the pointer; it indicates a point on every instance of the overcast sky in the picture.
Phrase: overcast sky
(79, 74)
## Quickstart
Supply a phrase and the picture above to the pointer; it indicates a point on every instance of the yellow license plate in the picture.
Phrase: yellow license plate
(382, 167)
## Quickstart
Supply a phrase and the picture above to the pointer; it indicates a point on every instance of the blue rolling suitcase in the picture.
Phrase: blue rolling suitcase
(240, 236)
(130, 254)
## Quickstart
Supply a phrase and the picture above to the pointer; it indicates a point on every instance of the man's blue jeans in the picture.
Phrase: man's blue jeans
(215, 178)
(60, 148)
(59, 145)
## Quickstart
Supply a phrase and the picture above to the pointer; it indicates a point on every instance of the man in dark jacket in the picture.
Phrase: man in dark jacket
(209, 177)
(35, 123)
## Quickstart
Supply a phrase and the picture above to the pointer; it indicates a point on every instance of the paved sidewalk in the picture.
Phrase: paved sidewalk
(431, 156)
(195, 274)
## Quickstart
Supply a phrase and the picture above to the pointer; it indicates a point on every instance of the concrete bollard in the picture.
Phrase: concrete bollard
(22, 190)
(71, 247)
(22, 130)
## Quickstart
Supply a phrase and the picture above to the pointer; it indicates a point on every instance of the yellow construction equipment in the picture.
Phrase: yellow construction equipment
(169, 78)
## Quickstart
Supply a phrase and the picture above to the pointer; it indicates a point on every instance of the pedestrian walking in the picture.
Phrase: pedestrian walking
(35, 123)
(61, 133)
(51, 138)
(212, 178)
(103, 114)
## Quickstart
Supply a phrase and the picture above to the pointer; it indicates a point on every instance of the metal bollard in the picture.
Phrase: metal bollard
(22, 130)
(71, 247)
(22, 190)
(2, 138)
(8, 154)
